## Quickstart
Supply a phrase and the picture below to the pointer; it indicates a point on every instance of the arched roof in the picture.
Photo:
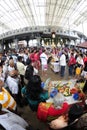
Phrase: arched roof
(16, 14)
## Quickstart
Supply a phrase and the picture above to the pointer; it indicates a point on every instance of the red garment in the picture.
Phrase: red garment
(72, 61)
(46, 110)
(32, 57)
(55, 112)
(85, 59)
(36, 56)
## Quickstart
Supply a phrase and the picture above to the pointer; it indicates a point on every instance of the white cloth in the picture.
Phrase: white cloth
(10, 68)
(80, 61)
(63, 60)
(12, 84)
(21, 68)
(84, 73)
(44, 59)
(11, 121)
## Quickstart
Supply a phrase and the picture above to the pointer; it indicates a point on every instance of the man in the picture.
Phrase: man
(44, 58)
(6, 99)
(62, 64)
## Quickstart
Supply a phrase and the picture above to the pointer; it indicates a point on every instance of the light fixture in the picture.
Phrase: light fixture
(53, 35)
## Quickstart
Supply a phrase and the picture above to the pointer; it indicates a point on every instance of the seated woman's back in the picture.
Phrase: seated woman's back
(34, 93)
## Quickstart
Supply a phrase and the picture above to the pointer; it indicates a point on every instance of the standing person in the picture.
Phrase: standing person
(44, 59)
(37, 60)
(71, 64)
(62, 64)
(21, 69)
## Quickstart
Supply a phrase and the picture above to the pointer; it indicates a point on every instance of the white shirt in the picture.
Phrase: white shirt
(62, 60)
(44, 59)
(11, 121)
(80, 61)
(12, 84)
(10, 68)
(21, 68)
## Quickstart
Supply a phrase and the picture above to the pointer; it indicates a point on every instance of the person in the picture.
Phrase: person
(71, 64)
(6, 99)
(62, 62)
(13, 86)
(30, 70)
(11, 65)
(21, 69)
(44, 59)
(52, 110)
(34, 93)
(84, 74)
(11, 121)
(69, 120)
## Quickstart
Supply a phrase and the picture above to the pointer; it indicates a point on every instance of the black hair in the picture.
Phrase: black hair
(75, 112)
(85, 68)
(20, 58)
(34, 87)
(28, 61)
(0, 106)
(29, 72)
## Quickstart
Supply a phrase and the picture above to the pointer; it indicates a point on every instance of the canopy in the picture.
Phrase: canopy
(16, 14)
(82, 45)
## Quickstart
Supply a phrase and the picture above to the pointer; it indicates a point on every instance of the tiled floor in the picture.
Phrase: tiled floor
(30, 116)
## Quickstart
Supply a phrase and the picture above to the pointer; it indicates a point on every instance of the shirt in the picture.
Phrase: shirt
(12, 84)
(21, 68)
(11, 121)
(44, 59)
(62, 60)
(7, 100)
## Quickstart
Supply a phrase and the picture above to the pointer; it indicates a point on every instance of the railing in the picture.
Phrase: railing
(44, 29)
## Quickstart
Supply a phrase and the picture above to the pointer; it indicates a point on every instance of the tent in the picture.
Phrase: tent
(82, 45)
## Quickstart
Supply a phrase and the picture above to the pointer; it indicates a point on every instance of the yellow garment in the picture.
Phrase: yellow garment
(78, 71)
(7, 100)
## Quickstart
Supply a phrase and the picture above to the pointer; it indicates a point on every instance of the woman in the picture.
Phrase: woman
(34, 93)
(53, 110)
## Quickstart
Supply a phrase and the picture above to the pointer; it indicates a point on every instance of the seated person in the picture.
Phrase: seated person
(34, 93)
(69, 120)
(53, 110)
(11, 121)
(6, 99)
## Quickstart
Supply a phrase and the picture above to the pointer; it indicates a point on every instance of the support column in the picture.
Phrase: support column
(1, 46)
(27, 40)
(38, 41)
(16, 44)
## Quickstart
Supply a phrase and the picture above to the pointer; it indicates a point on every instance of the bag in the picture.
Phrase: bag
(78, 70)
(42, 111)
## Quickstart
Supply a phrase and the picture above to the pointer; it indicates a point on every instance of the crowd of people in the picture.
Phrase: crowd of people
(20, 82)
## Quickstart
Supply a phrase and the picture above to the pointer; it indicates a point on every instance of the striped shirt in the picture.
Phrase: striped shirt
(7, 100)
